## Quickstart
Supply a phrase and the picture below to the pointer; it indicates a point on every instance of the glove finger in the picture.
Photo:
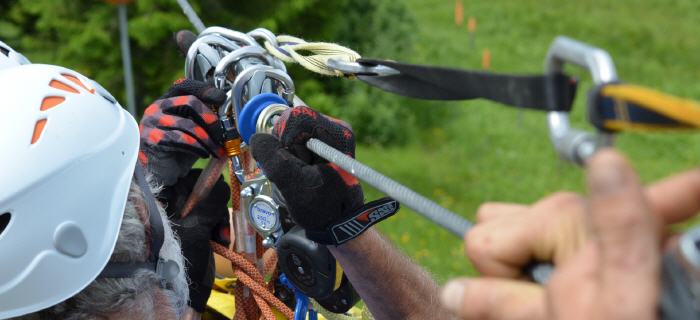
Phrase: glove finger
(280, 166)
(184, 39)
(297, 125)
(187, 113)
(336, 134)
(171, 115)
(203, 141)
(173, 139)
(203, 91)
(190, 106)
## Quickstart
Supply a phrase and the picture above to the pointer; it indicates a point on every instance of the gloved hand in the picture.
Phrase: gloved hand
(208, 220)
(180, 127)
(317, 193)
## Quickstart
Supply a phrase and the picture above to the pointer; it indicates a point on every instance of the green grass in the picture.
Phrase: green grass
(491, 153)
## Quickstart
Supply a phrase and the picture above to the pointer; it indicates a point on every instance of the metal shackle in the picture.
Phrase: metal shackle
(573, 144)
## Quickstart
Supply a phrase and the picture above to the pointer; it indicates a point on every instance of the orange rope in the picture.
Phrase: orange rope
(261, 299)
(270, 261)
(235, 189)
(248, 275)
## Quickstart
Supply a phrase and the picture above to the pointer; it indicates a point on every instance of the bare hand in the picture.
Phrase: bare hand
(611, 271)
(509, 236)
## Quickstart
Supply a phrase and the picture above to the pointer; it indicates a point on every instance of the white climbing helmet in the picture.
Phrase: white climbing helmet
(10, 58)
(69, 151)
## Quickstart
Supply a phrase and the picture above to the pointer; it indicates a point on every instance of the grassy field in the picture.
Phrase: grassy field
(491, 153)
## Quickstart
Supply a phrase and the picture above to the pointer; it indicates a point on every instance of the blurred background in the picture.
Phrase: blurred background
(459, 154)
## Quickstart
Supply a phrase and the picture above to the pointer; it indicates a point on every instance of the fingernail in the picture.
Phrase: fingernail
(607, 173)
(453, 293)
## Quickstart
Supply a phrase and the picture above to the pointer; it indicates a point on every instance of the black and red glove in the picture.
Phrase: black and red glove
(179, 128)
(321, 197)
(176, 130)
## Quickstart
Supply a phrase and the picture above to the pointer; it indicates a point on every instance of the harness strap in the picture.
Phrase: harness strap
(166, 269)
(618, 107)
(554, 92)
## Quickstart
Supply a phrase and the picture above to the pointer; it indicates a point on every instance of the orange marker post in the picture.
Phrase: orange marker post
(471, 26)
(486, 59)
(459, 12)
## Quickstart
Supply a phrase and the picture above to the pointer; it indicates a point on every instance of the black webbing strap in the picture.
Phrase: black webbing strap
(554, 92)
(126, 270)
(618, 107)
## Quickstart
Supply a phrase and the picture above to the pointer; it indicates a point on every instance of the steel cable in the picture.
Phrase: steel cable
(422, 205)
(455, 224)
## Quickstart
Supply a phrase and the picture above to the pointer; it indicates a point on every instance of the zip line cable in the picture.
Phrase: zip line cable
(449, 220)
(126, 60)
(191, 15)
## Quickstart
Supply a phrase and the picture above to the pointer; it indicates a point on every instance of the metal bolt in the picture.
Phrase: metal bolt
(247, 192)
(268, 242)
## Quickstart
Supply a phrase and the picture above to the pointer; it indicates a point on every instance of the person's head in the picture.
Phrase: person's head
(80, 233)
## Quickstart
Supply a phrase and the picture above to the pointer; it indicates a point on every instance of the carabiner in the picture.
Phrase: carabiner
(265, 35)
(259, 73)
(268, 36)
(233, 57)
(240, 37)
(205, 44)
(573, 144)
(254, 79)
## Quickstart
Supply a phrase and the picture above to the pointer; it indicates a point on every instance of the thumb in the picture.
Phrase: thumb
(280, 166)
(184, 39)
(212, 95)
(263, 146)
(626, 230)
(493, 298)
(203, 91)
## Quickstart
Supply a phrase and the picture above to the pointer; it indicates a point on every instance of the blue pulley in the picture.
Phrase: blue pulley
(251, 111)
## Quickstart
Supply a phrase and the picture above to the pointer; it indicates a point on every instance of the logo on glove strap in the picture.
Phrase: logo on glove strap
(378, 210)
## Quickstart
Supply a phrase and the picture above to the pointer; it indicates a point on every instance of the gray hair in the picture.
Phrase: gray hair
(138, 297)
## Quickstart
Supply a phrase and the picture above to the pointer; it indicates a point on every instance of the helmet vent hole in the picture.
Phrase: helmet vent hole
(77, 81)
(38, 130)
(5, 51)
(62, 86)
(4, 221)
(50, 102)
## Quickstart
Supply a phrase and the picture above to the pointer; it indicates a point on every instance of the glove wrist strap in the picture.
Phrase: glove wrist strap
(366, 216)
